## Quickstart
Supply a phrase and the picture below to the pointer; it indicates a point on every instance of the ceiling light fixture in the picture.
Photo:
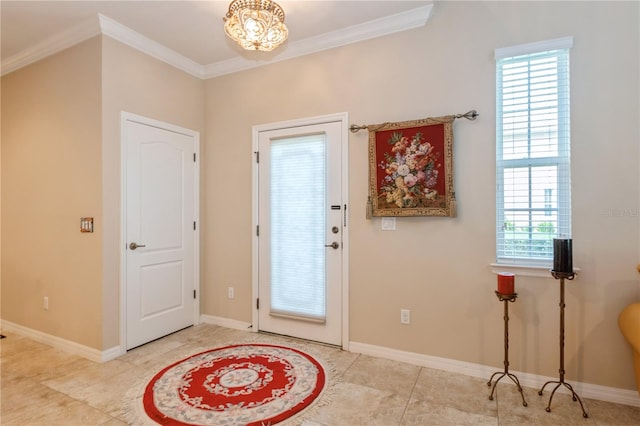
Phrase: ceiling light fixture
(256, 24)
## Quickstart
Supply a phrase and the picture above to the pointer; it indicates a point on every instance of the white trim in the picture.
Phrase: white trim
(226, 322)
(346, 226)
(59, 343)
(585, 390)
(123, 234)
(124, 117)
(522, 270)
(112, 353)
(125, 35)
(556, 63)
(63, 40)
(538, 46)
(308, 121)
(343, 118)
(404, 21)
(525, 270)
(255, 220)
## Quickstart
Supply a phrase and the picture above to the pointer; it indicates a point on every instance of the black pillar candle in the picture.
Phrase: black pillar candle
(562, 257)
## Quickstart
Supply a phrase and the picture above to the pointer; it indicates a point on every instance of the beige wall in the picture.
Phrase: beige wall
(51, 176)
(61, 161)
(135, 83)
(61, 144)
(439, 267)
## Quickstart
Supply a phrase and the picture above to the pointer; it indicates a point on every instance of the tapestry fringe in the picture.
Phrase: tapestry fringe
(135, 415)
(369, 209)
(453, 206)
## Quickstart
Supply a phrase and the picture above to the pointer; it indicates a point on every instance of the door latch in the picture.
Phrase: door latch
(135, 245)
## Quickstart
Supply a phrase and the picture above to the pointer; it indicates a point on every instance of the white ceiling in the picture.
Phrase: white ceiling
(190, 34)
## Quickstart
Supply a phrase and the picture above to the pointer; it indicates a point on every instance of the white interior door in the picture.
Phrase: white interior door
(160, 208)
(301, 231)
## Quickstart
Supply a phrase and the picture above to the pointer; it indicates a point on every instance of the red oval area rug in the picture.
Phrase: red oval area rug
(251, 384)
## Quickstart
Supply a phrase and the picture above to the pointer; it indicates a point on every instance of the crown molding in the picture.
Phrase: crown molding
(404, 21)
(126, 35)
(63, 40)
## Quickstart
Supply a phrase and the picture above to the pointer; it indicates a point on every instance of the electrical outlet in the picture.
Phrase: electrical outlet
(230, 293)
(45, 303)
(405, 316)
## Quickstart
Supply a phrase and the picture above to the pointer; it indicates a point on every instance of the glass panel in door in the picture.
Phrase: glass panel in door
(298, 224)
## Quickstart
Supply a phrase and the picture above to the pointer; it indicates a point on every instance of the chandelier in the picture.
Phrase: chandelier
(256, 24)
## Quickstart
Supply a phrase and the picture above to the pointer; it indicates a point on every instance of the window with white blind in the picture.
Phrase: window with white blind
(532, 151)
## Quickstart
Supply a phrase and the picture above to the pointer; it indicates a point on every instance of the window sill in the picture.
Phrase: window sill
(525, 270)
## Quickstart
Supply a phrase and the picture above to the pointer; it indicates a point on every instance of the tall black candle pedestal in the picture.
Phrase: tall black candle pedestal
(562, 276)
(506, 298)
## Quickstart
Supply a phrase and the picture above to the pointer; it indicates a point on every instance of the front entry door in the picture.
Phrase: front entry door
(160, 205)
(301, 224)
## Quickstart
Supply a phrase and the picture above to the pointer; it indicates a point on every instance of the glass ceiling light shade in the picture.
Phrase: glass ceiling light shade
(256, 24)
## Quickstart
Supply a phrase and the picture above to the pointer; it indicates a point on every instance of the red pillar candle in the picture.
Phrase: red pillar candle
(506, 283)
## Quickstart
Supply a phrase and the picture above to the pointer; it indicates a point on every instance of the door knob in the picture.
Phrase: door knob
(134, 245)
(334, 245)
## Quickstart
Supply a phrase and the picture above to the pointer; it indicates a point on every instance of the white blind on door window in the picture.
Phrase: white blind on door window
(532, 152)
(298, 224)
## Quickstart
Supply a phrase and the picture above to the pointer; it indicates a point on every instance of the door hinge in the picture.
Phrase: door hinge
(194, 294)
(194, 157)
(257, 230)
(194, 225)
(258, 303)
(257, 153)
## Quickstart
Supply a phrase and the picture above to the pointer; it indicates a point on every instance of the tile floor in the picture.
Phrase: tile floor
(41, 385)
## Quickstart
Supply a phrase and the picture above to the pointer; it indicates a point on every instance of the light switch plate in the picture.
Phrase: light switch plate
(86, 224)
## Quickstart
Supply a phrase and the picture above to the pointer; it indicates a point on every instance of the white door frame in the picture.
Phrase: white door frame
(343, 118)
(124, 117)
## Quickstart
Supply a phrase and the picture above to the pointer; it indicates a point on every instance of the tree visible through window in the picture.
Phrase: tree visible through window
(532, 150)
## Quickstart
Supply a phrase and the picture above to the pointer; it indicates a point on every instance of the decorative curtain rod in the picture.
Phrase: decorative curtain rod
(470, 115)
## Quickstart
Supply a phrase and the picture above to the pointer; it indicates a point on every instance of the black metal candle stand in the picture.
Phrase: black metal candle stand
(562, 276)
(506, 298)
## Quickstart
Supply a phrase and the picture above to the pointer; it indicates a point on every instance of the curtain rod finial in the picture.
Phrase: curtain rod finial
(469, 115)
(355, 128)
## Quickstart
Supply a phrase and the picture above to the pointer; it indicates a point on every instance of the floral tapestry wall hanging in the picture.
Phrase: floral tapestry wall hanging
(411, 168)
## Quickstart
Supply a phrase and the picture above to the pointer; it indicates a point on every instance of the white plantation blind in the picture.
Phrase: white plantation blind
(532, 151)
(298, 224)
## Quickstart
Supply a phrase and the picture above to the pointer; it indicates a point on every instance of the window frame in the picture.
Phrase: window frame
(535, 265)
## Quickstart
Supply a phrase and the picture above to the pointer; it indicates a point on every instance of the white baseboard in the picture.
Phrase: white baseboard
(226, 322)
(63, 344)
(586, 390)
(113, 353)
